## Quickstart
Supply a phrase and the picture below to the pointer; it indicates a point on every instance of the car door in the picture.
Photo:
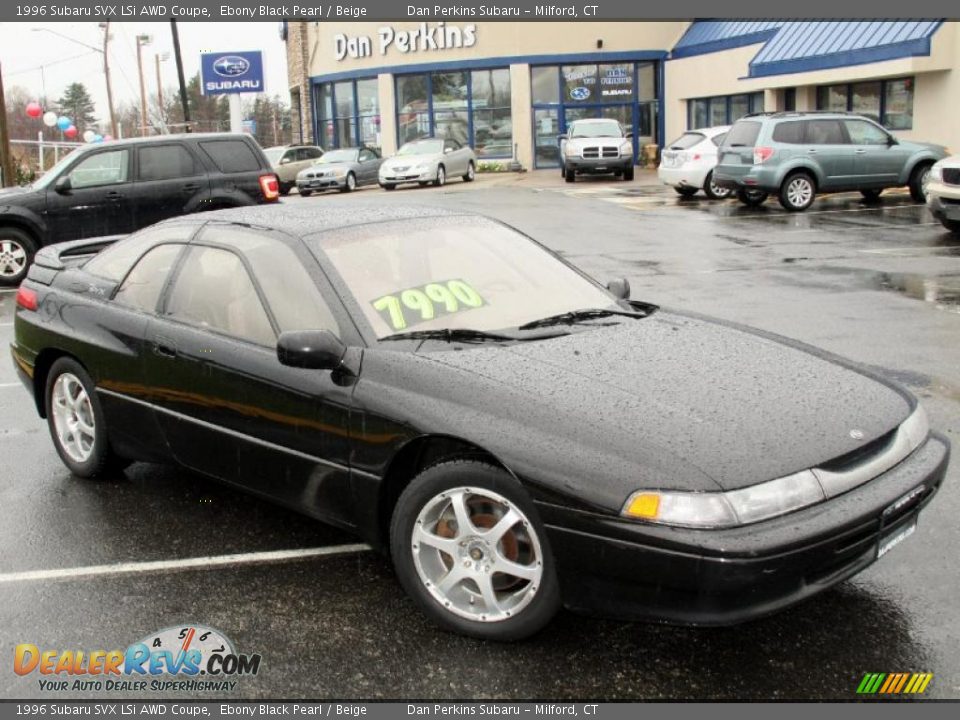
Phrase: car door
(228, 408)
(97, 200)
(827, 146)
(878, 159)
(454, 158)
(369, 164)
(170, 181)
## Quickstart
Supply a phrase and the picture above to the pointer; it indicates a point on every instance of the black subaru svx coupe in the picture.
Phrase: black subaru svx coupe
(515, 435)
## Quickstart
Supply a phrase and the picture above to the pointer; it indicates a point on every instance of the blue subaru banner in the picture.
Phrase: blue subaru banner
(231, 72)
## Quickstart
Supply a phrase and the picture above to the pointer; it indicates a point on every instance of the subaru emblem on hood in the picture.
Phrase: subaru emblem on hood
(856, 434)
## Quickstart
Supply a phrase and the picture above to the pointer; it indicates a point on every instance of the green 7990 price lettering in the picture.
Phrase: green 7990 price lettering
(420, 304)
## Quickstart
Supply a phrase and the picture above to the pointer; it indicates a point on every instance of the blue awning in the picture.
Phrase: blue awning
(805, 46)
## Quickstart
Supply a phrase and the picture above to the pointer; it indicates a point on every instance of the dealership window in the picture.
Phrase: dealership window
(722, 109)
(624, 91)
(348, 114)
(890, 102)
(471, 107)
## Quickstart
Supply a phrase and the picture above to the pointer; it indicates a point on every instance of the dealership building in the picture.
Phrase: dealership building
(509, 88)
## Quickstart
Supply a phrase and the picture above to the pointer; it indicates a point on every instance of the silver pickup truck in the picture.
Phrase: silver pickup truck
(596, 146)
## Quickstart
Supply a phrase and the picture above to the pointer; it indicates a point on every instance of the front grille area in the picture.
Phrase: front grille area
(594, 153)
(951, 176)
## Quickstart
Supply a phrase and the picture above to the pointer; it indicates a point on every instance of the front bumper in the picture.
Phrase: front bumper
(944, 201)
(324, 183)
(398, 177)
(628, 569)
(588, 166)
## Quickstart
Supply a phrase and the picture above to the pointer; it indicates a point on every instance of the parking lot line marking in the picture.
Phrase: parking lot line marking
(133, 568)
(9, 385)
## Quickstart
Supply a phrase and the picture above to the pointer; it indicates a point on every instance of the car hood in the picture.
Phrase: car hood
(7, 194)
(324, 167)
(708, 403)
(578, 144)
(408, 160)
(940, 150)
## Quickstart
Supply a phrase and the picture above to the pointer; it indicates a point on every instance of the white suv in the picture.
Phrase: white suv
(687, 163)
(943, 192)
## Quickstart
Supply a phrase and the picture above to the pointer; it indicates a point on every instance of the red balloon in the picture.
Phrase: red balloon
(70, 132)
(34, 110)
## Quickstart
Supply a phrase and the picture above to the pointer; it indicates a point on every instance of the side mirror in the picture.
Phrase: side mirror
(628, 136)
(63, 184)
(285, 160)
(620, 288)
(447, 150)
(311, 349)
(891, 141)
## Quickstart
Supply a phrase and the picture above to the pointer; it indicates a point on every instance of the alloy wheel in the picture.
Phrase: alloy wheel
(477, 554)
(73, 417)
(13, 258)
(718, 192)
(441, 176)
(351, 182)
(800, 192)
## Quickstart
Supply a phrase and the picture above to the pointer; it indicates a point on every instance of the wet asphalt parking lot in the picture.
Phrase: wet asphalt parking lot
(877, 283)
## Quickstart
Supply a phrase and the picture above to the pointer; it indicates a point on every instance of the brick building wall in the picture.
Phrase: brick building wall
(298, 58)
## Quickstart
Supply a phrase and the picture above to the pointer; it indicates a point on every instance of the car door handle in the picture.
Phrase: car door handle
(164, 347)
(114, 195)
(191, 187)
(860, 151)
(811, 150)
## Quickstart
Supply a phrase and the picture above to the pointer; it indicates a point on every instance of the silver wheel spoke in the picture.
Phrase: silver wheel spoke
(508, 567)
(489, 595)
(459, 504)
(73, 418)
(453, 578)
(509, 519)
(445, 545)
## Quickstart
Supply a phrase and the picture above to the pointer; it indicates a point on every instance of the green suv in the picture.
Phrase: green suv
(799, 154)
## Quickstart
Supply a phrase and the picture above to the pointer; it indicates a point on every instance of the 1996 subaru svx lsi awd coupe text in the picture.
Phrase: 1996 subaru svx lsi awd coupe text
(515, 435)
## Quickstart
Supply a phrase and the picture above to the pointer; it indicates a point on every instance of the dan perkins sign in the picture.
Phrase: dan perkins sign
(231, 72)
(428, 37)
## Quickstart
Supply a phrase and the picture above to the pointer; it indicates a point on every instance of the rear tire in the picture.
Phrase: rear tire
(350, 184)
(471, 172)
(871, 196)
(918, 182)
(713, 191)
(16, 253)
(569, 176)
(285, 188)
(951, 225)
(76, 421)
(752, 198)
(306, 193)
(687, 192)
(448, 564)
(798, 192)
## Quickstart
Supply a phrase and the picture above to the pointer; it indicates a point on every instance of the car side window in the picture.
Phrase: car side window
(104, 168)
(788, 133)
(863, 133)
(214, 291)
(367, 155)
(164, 162)
(290, 293)
(142, 287)
(718, 139)
(115, 261)
(231, 156)
(313, 153)
(825, 132)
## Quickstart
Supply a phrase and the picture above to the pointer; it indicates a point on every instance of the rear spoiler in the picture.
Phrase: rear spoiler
(59, 256)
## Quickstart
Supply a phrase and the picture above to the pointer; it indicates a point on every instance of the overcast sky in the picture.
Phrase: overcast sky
(23, 51)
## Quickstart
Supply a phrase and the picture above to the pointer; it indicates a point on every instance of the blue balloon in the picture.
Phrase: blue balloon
(98, 138)
(64, 122)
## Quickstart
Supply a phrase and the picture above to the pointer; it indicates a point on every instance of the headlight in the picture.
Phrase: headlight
(339, 172)
(936, 173)
(776, 497)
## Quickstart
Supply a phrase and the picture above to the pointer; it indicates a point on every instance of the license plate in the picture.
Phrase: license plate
(889, 542)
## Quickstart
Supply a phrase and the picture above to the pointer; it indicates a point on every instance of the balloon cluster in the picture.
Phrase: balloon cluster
(63, 123)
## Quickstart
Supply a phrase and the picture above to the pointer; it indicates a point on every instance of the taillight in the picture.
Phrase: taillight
(26, 298)
(762, 154)
(270, 187)
(696, 156)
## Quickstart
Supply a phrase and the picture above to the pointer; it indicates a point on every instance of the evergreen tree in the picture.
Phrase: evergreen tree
(77, 105)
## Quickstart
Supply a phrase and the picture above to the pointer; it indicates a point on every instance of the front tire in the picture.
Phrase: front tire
(389, 186)
(918, 182)
(470, 550)
(951, 225)
(76, 421)
(350, 184)
(797, 192)
(569, 175)
(752, 198)
(441, 178)
(16, 253)
(714, 191)
(306, 193)
(471, 172)
(871, 196)
(285, 188)
(628, 173)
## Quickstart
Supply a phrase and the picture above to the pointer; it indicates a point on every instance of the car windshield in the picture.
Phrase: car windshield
(50, 175)
(687, 141)
(274, 154)
(421, 147)
(596, 128)
(338, 156)
(453, 273)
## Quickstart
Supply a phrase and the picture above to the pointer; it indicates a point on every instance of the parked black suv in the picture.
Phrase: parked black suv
(121, 186)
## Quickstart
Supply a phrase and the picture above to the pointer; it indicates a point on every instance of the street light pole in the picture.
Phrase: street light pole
(141, 41)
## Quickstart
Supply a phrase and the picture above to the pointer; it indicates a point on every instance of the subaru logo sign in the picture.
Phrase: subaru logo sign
(230, 66)
(232, 72)
(580, 93)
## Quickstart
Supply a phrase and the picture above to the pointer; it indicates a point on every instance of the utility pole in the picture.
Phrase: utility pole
(6, 159)
(106, 74)
(183, 85)
(144, 121)
(157, 59)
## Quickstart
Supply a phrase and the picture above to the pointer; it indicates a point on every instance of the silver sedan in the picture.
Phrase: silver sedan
(344, 169)
(428, 160)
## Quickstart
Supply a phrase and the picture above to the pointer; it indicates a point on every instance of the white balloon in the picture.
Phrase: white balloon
(50, 118)
(89, 135)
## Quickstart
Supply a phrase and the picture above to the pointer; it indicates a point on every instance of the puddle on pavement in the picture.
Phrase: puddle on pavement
(943, 291)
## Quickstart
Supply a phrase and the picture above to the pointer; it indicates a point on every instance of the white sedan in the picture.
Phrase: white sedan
(428, 160)
(687, 163)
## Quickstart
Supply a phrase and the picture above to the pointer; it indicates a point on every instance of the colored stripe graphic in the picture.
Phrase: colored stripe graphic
(894, 683)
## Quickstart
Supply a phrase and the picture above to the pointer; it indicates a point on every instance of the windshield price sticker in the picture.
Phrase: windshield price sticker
(419, 304)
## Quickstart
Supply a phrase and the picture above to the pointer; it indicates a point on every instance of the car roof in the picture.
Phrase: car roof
(165, 138)
(302, 219)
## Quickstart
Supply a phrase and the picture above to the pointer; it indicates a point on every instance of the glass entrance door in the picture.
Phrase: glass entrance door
(623, 113)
